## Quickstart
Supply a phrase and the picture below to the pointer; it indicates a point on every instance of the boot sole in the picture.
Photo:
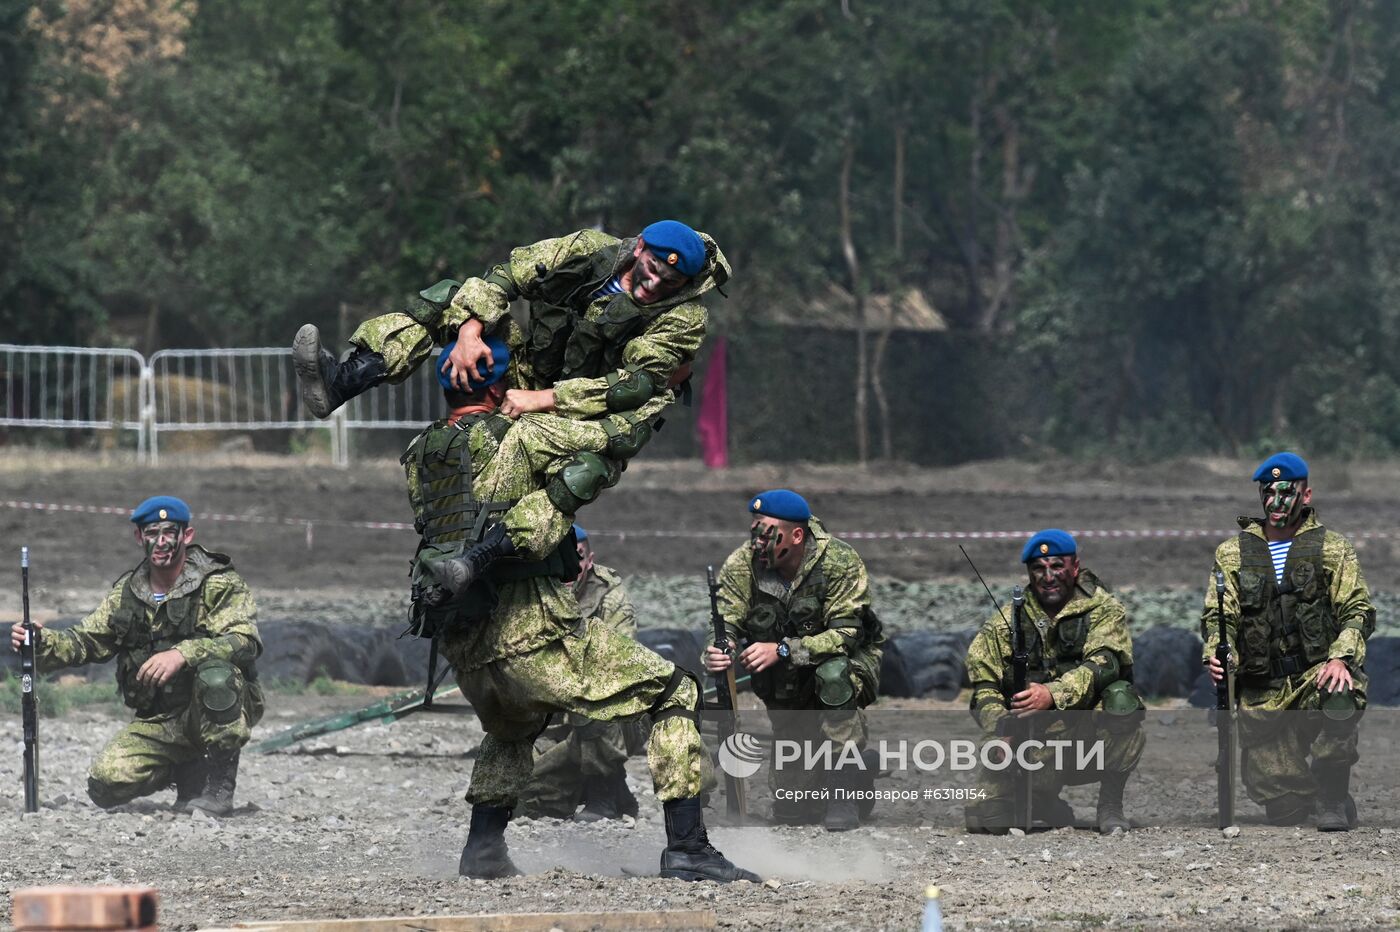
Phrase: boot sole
(306, 360)
(696, 876)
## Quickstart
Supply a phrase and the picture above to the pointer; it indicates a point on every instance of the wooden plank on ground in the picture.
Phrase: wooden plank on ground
(496, 922)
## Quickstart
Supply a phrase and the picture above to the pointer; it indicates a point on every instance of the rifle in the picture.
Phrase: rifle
(1224, 714)
(726, 699)
(29, 673)
(1014, 728)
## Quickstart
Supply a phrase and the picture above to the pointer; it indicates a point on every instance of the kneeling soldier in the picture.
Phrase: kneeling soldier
(800, 599)
(1080, 658)
(182, 629)
(1297, 614)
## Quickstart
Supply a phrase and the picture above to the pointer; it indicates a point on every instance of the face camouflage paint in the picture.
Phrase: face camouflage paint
(163, 541)
(1282, 500)
(1053, 579)
(768, 543)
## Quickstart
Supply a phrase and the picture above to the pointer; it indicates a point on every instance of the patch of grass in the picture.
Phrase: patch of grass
(320, 686)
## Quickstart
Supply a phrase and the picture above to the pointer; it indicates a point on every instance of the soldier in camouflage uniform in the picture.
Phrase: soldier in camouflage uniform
(1080, 658)
(1297, 616)
(182, 627)
(611, 322)
(587, 762)
(515, 637)
(800, 598)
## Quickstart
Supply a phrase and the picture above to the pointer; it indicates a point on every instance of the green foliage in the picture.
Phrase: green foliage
(1182, 213)
(57, 698)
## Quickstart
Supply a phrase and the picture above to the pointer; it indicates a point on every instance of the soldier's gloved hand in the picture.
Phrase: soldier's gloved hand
(159, 668)
(1334, 676)
(17, 633)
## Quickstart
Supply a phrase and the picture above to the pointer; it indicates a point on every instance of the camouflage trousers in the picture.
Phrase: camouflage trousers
(402, 341)
(584, 750)
(1285, 727)
(595, 672)
(1123, 743)
(142, 757)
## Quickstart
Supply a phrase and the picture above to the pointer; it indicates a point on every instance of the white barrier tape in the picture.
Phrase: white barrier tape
(308, 523)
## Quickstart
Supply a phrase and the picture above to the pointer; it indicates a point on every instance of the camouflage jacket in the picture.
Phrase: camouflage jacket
(217, 621)
(1354, 613)
(670, 338)
(1083, 649)
(844, 606)
(601, 595)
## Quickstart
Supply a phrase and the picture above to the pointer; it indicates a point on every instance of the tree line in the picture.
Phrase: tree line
(1176, 212)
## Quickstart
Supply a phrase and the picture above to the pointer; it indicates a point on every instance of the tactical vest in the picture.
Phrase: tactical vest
(450, 519)
(1283, 629)
(770, 620)
(562, 343)
(1070, 637)
(177, 620)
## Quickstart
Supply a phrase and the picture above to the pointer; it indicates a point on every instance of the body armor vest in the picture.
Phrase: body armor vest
(1283, 629)
(562, 343)
(175, 620)
(1043, 666)
(771, 619)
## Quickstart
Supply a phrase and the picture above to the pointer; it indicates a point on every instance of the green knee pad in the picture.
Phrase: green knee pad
(581, 481)
(630, 390)
(218, 687)
(1123, 708)
(1340, 712)
(625, 444)
(834, 686)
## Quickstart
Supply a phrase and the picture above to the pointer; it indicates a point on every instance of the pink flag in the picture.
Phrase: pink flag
(712, 423)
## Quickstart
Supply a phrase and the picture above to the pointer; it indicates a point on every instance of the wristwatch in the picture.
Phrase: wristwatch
(783, 650)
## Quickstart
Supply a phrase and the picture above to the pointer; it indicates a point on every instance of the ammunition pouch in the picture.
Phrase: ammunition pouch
(1284, 628)
(581, 481)
(1122, 708)
(218, 687)
(834, 686)
(629, 389)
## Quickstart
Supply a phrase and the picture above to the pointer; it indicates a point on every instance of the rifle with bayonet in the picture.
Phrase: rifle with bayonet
(1012, 726)
(1224, 717)
(726, 697)
(29, 707)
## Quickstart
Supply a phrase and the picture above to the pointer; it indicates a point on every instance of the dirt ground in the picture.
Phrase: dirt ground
(371, 821)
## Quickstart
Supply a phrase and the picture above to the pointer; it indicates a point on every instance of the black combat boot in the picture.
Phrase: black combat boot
(607, 797)
(1049, 811)
(1288, 809)
(1110, 812)
(842, 814)
(190, 778)
(221, 775)
(484, 856)
(1336, 812)
(456, 574)
(689, 854)
(327, 384)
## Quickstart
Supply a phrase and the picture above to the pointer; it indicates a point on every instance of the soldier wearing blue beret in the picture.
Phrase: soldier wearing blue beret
(799, 600)
(613, 322)
(1297, 616)
(1080, 658)
(182, 627)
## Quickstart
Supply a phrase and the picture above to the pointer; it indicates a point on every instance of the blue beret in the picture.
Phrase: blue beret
(1281, 466)
(500, 354)
(161, 508)
(667, 238)
(783, 504)
(580, 533)
(1051, 542)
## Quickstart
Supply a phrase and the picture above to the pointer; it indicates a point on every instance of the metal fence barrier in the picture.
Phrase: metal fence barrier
(251, 389)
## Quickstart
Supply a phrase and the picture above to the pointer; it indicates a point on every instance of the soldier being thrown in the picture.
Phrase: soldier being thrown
(182, 629)
(515, 637)
(1297, 615)
(1081, 658)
